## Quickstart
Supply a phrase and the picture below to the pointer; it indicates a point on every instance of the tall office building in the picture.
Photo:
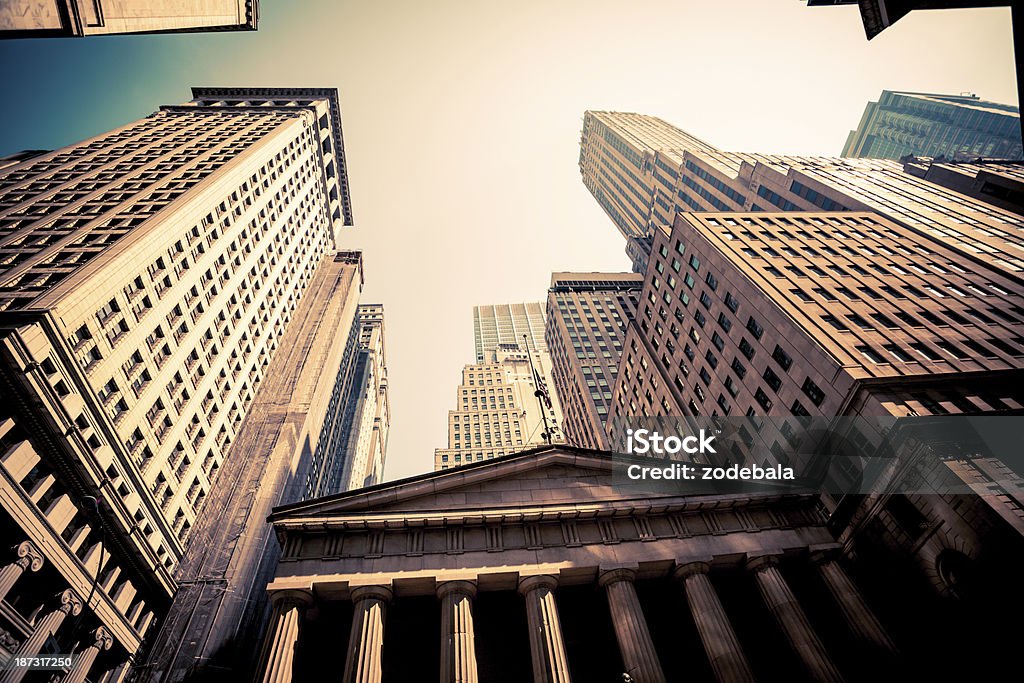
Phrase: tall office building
(148, 277)
(220, 609)
(587, 318)
(823, 314)
(507, 324)
(497, 410)
(956, 127)
(358, 447)
(642, 176)
(34, 19)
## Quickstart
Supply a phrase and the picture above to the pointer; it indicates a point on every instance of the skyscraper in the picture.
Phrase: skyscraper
(147, 279)
(506, 324)
(823, 314)
(957, 127)
(498, 411)
(29, 19)
(220, 609)
(587, 318)
(358, 448)
(643, 177)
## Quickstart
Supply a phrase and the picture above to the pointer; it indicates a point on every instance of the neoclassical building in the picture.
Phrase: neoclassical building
(533, 567)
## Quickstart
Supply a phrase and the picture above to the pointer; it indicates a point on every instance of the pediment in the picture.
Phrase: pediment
(548, 476)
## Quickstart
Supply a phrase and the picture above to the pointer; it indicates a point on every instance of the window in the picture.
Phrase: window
(717, 341)
(799, 410)
(762, 399)
(739, 368)
(898, 353)
(731, 303)
(755, 328)
(724, 321)
(711, 281)
(694, 262)
(772, 379)
(746, 349)
(782, 358)
(835, 322)
(813, 392)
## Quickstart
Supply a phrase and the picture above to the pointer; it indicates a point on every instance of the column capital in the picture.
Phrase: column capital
(610, 576)
(382, 593)
(467, 588)
(532, 583)
(685, 571)
(29, 556)
(758, 562)
(291, 597)
(68, 602)
(824, 552)
(102, 638)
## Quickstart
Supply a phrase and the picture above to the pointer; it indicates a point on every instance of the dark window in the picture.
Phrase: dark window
(746, 349)
(813, 392)
(772, 379)
(755, 328)
(717, 341)
(762, 399)
(782, 358)
(731, 302)
(739, 368)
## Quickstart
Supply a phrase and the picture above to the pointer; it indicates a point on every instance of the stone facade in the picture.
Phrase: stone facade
(50, 18)
(534, 567)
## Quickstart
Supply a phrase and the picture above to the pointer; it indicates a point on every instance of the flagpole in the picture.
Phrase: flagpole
(538, 394)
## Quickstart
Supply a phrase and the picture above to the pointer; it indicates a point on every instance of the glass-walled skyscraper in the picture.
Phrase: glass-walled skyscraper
(957, 127)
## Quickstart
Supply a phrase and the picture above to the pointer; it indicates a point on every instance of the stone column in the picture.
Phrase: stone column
(458, 649)
(720, 643)
(67, 603)
(547, 649)
(283, 634)
(861, 621)
(631, 630)
(791, 619)
(102, 640)
(29, 558)
(366, 641)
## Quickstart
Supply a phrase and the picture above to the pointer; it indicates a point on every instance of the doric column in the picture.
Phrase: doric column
(861, 621)
(102, 640)
(720, 643)
(631, 630)
(547, 649)
(366, 641)
(29, 558)
(458, 650)
(283, 634)
(67, 603)
(791, 618)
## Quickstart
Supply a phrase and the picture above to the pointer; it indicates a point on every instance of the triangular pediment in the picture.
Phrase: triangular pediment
(552, 475)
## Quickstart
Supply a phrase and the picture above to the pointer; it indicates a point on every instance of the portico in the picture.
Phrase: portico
(546, 536)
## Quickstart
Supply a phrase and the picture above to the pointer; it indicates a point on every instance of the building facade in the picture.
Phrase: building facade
(507, 324)
(642, 174)
(218, 613)
(587, 318)
(1000, 183)
(147, 279)
(955, 127)
(52, 18)
(818, 314)
(360, 446)
(498, 411)
(537, 567)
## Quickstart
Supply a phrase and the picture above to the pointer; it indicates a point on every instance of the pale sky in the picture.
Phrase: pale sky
(461, 122)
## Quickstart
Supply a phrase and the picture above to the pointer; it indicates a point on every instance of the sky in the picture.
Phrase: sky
(462, 119)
